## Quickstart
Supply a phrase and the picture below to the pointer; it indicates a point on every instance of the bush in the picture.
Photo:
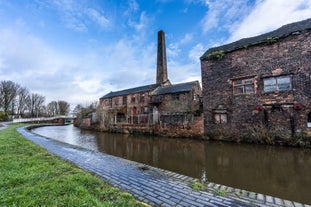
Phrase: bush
(3, 116)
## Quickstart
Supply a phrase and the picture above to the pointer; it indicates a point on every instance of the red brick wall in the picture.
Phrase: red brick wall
(290, 55)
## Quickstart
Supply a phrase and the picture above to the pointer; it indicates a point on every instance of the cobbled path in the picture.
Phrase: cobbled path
(151, 185)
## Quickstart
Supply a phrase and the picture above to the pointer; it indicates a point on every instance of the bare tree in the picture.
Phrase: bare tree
(52, 108)
(35, 104)
(64, 107)
(58, 108)
(22, 94)
(8, 93)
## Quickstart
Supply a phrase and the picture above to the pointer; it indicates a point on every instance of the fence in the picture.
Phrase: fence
(40, 119)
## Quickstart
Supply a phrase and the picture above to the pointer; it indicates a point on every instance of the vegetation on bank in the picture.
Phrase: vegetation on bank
(30, 176)
(259, 135)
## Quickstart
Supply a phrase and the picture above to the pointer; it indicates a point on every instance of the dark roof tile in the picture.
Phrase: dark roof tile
(246, 42)
(130, 91)
(176, 88)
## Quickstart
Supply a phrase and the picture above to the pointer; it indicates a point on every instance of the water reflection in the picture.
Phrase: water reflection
(282, 172)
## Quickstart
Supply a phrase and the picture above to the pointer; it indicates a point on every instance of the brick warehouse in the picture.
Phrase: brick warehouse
(258, 89)
(161, 108)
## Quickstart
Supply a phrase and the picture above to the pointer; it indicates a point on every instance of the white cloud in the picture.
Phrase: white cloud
(196, 52)
(268, 15)
(97, 17)
(77, 15)
(187, 38)
(224, 14)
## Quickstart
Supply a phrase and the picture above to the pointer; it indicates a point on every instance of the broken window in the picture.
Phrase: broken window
(243, 86)
(280, 83)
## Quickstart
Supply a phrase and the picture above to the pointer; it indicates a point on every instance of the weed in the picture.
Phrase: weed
(217, 54)
(197, 185)
(221, 192)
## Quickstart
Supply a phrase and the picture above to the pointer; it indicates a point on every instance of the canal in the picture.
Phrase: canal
(277, 171)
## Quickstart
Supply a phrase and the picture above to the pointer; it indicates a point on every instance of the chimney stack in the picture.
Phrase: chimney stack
(162, 78)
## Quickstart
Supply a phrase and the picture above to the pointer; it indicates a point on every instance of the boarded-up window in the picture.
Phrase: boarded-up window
(220, 114)
(220, 118)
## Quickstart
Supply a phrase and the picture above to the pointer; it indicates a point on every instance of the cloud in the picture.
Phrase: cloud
(97, 17)
(77, 15)
(268, 15)
(223, 15)
(186, 39)
(196, 52)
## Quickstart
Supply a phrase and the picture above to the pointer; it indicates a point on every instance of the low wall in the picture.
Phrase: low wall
(192, 129)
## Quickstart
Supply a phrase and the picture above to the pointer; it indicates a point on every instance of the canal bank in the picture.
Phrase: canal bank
(152, 185)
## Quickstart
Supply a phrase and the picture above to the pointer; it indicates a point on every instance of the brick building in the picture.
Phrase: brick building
(259, 85)
(160, 108)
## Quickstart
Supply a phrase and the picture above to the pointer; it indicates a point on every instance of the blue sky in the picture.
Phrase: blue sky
(79, 50)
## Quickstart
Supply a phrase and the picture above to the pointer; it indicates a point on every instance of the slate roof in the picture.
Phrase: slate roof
(176, 88)
(284, 31)
(130, 91)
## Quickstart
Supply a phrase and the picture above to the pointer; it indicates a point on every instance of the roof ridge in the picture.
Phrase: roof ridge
(280, 32)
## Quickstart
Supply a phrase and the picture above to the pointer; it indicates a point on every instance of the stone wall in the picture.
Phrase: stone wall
(289, 56)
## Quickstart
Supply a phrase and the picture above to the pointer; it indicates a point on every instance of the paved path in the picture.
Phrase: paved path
(153, 186)
(4, 125)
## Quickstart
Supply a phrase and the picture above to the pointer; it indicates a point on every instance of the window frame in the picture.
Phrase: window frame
(309, 120)
(124, 100)
(277, 85)
(243, 85)
(220, 118)
(175, 96)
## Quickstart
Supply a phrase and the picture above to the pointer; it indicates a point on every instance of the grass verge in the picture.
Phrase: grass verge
(30, 176)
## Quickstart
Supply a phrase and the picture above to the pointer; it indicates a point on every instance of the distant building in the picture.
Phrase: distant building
(259, 83)
(161, 108)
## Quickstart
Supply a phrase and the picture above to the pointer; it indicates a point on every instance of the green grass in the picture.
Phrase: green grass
(30, 176)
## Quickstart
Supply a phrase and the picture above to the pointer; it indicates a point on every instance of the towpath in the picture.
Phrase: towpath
(151, 185)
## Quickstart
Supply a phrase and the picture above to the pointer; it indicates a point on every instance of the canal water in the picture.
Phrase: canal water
(277, 171)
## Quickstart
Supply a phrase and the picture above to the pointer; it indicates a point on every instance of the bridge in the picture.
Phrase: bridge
(54, 119)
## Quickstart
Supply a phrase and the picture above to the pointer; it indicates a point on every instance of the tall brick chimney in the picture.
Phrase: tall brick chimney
(162, 78)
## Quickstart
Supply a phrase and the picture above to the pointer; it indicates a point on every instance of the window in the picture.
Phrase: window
(175, 96)
(243, 86)
(133, 99)
(220, 118)
(110, 102)
(124, 100)
(280, 83)
(309, 120)
(142, 98)
(220, 114)
(116, 101)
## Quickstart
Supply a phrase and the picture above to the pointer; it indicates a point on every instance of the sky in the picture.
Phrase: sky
(80, 50)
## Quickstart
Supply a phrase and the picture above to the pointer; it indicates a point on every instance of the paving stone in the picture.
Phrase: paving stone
(156, 187)
(298, 204)
(269, 199)
(288, 203)
(278, 201)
